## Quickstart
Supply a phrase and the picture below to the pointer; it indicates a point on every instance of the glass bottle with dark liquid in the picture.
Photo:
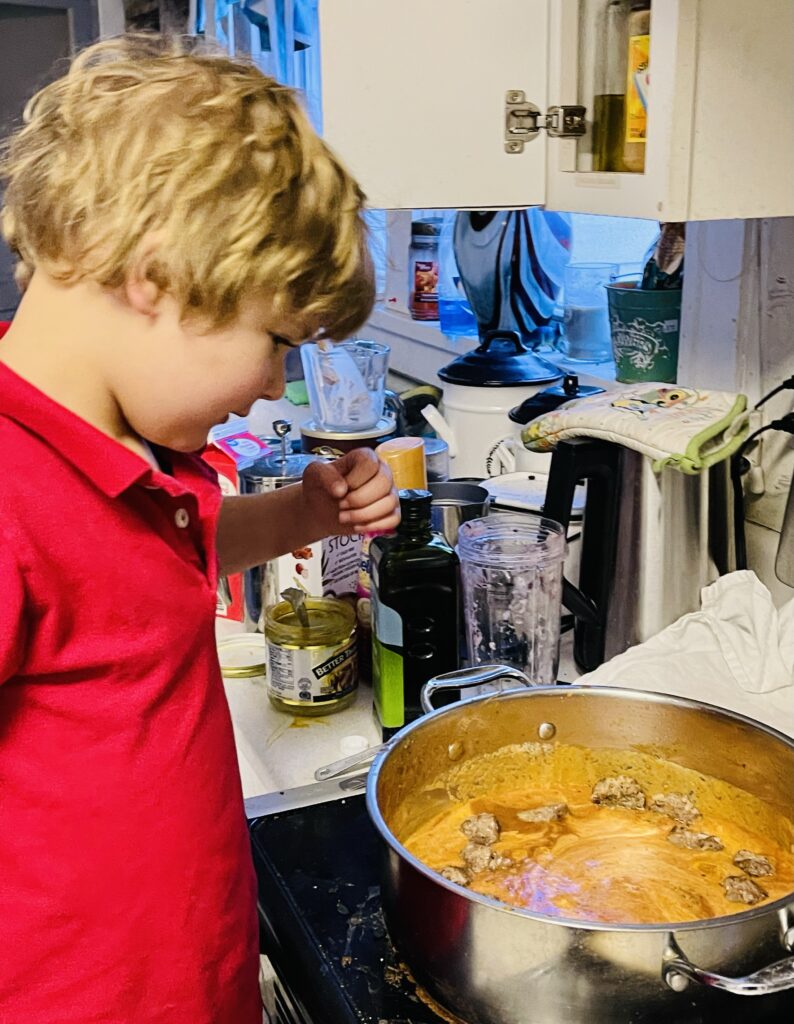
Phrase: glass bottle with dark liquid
(415, 612)
(609, 102)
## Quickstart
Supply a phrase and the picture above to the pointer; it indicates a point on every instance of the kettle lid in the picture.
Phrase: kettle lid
(552, 398)
(501, 360)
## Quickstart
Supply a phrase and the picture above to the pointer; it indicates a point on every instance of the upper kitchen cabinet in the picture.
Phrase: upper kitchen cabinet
(508, 103)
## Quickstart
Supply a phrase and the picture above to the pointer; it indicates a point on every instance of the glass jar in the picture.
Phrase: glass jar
(610, 95)
(636, 119)
(511, 566)
(423, 270)
(311, 670)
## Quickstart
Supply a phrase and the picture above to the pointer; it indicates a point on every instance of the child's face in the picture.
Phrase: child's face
(173, 381)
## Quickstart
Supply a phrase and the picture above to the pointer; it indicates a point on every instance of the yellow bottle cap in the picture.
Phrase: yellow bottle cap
(405, 457)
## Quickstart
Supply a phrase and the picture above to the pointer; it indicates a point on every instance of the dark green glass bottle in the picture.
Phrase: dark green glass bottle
(415, 612)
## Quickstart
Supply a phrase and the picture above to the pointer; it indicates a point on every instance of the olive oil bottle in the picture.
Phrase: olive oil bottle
(415, 612)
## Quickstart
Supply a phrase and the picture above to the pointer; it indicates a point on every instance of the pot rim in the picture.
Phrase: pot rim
(566, 691)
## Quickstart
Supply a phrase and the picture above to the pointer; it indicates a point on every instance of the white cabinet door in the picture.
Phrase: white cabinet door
(720, 113)
(414, 98)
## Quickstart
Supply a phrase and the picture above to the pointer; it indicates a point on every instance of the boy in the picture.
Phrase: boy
(178, 226)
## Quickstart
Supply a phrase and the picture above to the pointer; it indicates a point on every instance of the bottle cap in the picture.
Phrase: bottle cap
(405, 457)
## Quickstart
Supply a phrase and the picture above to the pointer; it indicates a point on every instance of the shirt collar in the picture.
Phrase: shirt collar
(105, 461)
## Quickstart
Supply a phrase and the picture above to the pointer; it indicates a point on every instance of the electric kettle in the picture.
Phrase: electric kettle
(651, 541)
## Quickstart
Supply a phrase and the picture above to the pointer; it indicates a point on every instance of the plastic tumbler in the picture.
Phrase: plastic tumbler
(511, 565)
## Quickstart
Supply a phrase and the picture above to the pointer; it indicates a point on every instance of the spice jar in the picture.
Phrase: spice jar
(636, 121)
(311, 669)
(423, 270)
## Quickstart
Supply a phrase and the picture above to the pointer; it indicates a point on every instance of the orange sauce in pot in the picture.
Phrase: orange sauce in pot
(598, 863)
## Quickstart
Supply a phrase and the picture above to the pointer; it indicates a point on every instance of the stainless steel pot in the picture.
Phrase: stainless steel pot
(493, 964)
(455, 503)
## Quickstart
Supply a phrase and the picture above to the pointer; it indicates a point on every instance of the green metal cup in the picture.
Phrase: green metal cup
(645, 328)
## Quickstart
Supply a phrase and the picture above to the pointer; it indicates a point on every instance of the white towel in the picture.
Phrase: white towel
(737, 652)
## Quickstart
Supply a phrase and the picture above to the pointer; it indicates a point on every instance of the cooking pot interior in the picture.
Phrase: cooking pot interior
(412, 783)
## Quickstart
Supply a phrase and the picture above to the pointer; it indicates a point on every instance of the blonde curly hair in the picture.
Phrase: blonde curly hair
(147, 135)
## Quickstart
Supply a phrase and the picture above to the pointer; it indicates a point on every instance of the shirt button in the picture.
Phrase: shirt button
(181, 518)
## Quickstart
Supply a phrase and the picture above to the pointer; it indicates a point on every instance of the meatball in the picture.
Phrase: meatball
(753, 864)
(675, 805)
(456, 875)
(482, 829)
(619, 791)
(477, 858)
(498, 860)
(482, 858)
(741, 889)
(690, 840)
(551, 812)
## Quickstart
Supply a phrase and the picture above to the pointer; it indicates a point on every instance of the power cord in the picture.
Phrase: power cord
(740, 465)
(787, 385)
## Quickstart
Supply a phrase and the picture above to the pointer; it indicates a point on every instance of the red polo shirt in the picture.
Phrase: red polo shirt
(126, 885)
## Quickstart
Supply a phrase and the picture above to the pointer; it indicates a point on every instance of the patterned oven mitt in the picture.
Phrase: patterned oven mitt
(689, 429)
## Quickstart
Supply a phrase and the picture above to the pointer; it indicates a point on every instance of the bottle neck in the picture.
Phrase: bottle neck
(414, 527)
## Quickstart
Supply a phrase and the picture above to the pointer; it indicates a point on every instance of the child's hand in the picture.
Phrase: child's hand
(354, 494)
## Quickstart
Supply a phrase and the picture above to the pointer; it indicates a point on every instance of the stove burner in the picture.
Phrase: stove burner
(321, 921)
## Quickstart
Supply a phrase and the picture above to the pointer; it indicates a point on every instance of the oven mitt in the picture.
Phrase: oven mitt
(689, 429)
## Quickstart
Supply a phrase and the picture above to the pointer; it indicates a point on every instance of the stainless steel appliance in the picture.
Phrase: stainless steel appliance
(490, 964)
(651, 541)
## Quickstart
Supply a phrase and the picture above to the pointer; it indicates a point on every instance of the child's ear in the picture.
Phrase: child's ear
(143, 288)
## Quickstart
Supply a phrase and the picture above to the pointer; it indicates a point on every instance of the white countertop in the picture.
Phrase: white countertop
(277, 751)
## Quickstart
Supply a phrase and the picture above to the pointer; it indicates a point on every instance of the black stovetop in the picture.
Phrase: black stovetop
(322, 927)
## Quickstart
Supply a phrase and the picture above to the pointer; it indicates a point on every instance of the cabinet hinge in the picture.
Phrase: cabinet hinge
(524, 121)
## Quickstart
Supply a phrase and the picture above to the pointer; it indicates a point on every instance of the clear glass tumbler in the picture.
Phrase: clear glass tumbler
(511, 566)
(585, 314)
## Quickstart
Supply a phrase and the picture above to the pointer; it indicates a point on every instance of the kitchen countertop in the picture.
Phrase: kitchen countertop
(278, 751)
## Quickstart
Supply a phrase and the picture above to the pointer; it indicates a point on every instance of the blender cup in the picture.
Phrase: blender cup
(511, 566)
(346, 383)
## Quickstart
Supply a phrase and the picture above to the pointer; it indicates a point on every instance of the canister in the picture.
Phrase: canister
(333, 443)
(312, 670)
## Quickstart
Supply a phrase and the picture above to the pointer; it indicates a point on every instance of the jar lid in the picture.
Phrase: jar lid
(516, 541)
(426, 228)
(242, 655)
(501, 360)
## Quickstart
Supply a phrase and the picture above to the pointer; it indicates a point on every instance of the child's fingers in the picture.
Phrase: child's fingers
(359, 466)
(386, 525)
(373, 512)
(370, 492)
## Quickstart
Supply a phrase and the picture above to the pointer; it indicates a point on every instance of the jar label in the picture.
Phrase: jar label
(637, 89)
(426, 280)
(312, 675)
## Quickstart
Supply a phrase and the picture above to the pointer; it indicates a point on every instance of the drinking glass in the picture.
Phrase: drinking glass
(585, 313)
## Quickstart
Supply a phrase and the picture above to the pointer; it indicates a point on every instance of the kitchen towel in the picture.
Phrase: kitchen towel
(689, 429)
(737, 652)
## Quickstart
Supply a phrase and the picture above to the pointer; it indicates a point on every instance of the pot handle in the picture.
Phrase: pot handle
(678, 972)
(465, 678)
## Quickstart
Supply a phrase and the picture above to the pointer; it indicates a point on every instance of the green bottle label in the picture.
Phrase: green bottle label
(387, 664)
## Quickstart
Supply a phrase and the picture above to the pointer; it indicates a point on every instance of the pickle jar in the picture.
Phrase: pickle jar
(311, 670)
